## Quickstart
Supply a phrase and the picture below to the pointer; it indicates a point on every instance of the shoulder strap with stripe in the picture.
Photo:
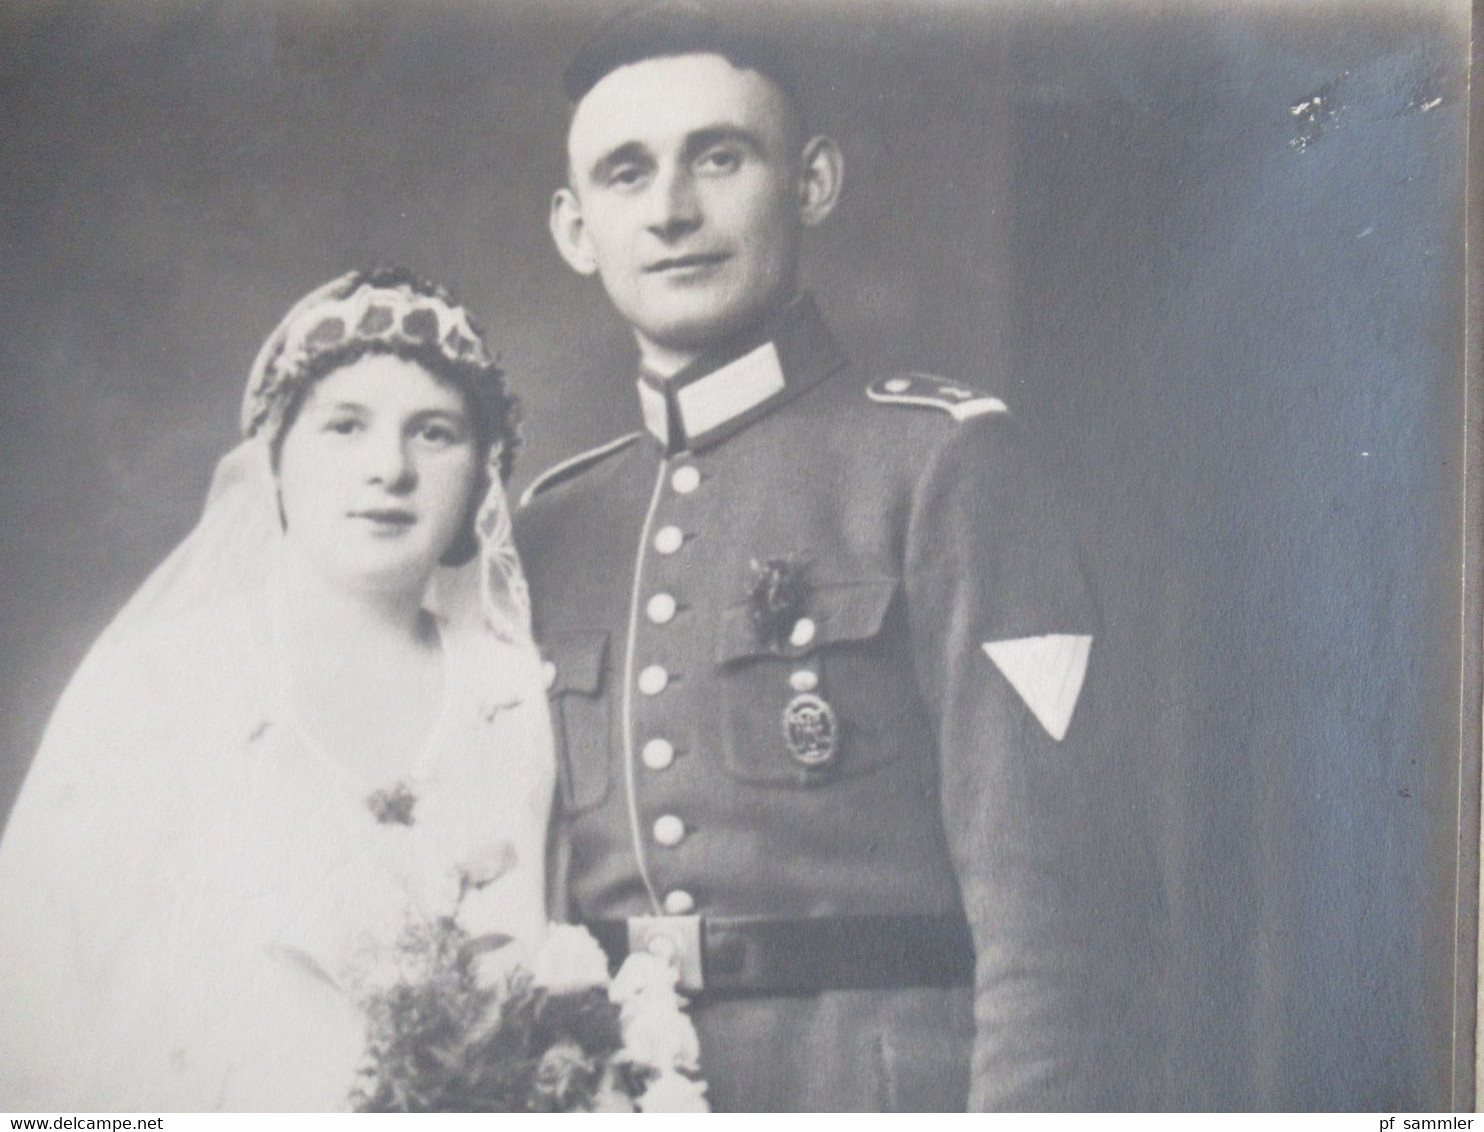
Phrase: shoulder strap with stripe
(925, 391)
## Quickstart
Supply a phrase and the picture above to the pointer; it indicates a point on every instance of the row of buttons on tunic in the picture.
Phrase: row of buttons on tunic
(658, 754)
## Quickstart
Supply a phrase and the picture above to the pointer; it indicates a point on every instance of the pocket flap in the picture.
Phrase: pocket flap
(840, 611)
(579, 656)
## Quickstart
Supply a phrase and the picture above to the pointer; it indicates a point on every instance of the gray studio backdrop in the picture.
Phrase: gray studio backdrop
(1211, 254)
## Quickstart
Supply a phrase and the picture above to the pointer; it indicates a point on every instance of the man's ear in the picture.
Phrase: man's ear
(570, 232)
(821, 177)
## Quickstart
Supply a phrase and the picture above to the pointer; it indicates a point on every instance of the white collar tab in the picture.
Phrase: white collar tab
(678, 414)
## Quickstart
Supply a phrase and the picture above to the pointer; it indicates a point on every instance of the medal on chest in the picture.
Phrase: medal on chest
(777, 604)
(810, 731)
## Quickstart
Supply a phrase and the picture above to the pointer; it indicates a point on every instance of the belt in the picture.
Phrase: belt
(736, 955)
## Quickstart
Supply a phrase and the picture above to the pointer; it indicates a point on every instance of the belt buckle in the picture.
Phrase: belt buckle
(675, 939)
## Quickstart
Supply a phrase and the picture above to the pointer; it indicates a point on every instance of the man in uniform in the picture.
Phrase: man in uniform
(815, 637)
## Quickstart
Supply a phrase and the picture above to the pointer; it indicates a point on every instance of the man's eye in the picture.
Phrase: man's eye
(725, 160)
(625, 176)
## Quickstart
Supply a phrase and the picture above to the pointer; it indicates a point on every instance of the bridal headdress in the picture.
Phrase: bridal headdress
(376, 310)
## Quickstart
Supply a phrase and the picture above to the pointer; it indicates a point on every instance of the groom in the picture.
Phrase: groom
(815, 639)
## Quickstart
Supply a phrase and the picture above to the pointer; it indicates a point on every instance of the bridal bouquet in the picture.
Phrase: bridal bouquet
(477, 1025)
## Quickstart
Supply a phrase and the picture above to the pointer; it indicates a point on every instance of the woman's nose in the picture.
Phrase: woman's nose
(388, 461)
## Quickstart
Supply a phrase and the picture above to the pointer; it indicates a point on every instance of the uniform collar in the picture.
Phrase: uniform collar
(727, 389)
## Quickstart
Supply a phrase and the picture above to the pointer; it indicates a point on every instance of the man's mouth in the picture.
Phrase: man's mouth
(686, 262)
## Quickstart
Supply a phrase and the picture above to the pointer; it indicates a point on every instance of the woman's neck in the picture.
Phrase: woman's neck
(318, 614)
(363, 674)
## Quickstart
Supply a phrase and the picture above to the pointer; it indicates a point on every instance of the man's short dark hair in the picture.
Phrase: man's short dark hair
(659, 30)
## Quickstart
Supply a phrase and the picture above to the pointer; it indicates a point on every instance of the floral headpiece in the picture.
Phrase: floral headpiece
(389, 307)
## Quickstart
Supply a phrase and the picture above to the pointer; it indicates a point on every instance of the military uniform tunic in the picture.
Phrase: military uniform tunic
(877, 734)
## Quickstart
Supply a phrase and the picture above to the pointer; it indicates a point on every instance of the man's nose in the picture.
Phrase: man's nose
(675, 205)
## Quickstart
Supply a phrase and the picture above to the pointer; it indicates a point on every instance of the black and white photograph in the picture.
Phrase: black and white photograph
(738, 555)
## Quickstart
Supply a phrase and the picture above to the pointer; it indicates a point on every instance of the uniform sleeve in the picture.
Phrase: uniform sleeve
(1004, 636)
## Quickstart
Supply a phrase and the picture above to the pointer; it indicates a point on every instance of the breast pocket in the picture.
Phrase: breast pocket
(579, 715)
(828, 699)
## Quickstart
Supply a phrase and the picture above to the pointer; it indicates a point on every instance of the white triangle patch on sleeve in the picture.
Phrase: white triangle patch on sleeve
(1047, 672)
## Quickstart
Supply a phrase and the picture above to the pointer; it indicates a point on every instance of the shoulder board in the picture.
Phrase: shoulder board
(575, 465)
(925, 391)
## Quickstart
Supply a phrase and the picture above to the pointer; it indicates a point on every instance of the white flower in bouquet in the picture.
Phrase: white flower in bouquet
(656, 1031)
(569, 959)
(666, 1040)
(643, 976)
(672, 1092)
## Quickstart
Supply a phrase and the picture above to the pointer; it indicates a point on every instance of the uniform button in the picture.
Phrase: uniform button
(667, 540)
(803, 632)
(669, 830)
(548, 674)
(803, 680)
(653, 680)
(661, 609)
(898, 385)
(658, 754)
(685, 480)
(679, 903)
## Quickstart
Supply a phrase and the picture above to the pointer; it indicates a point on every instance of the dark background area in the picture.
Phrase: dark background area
(1212, 254)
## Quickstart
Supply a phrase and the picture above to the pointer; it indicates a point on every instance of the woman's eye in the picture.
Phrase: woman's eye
(438, 434)
(342, 426)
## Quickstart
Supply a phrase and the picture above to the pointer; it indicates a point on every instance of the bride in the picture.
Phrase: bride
(307, 731)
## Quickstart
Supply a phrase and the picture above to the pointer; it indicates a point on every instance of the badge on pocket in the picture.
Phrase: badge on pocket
(811, 731)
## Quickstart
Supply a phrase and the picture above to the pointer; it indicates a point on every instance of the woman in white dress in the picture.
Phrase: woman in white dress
(309, 729)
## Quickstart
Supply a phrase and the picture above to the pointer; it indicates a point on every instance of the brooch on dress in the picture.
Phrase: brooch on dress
(392, 806)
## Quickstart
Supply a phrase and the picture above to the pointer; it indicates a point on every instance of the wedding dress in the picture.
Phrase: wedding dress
(194, 895)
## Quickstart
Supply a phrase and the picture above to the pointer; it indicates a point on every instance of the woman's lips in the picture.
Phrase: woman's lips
(387, 518)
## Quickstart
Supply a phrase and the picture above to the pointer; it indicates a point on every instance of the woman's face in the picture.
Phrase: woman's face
(376, 472)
